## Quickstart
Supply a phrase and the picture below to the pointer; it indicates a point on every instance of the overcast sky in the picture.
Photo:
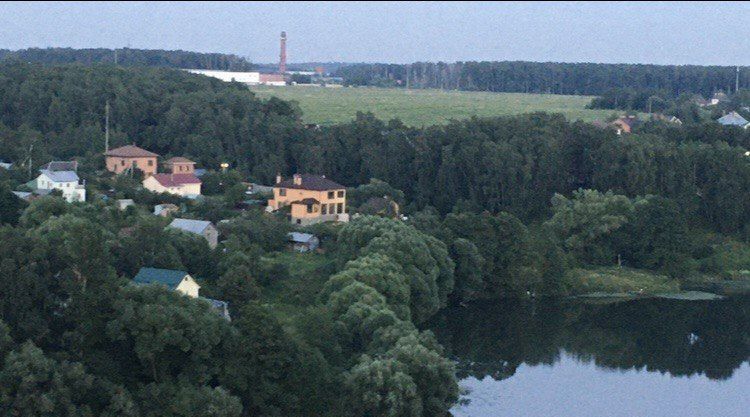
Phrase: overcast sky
(644, 32)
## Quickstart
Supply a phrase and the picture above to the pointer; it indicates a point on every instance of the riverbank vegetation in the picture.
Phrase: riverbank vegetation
(493, 208)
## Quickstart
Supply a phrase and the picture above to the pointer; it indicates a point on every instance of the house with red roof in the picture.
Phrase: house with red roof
(185, 185)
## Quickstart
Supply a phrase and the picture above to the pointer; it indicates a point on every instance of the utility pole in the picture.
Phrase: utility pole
(737, 80)
(106, 127)
(31, 163)
(408, 68)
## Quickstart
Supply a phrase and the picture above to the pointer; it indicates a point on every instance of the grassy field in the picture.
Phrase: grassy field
(327, 106)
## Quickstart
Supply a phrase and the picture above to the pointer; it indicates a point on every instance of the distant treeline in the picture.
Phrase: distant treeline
(547, 77)
(130, 57)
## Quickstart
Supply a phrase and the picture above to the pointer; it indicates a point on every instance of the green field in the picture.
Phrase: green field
(327, 106)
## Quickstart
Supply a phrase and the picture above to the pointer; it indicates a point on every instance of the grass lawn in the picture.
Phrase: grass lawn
(328, 106)
(621, 281)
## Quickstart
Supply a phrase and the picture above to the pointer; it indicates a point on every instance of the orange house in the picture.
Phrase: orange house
(313, 199)
(180, 165)
(121, 159)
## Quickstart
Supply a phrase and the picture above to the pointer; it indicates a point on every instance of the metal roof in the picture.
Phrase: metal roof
(190, 225)
(733, 119)
(61, 176)
(310, 182)
(130, 151)
(298, 237)
(168, 277)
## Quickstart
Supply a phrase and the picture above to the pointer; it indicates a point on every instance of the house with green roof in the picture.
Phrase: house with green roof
(179, 281)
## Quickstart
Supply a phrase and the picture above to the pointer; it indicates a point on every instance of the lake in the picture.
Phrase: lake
(557, 358)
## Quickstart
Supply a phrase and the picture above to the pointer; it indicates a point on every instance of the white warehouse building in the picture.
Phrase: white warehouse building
(229, 76)
(249, 78)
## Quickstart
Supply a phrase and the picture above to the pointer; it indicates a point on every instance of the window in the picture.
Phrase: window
(282, 192)
(341, 194)
(324, 209)
(150, 162)
(339, 208)
(309, 208)
(122, 162)
(330, 195)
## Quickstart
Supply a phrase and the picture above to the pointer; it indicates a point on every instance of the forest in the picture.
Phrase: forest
(495, 208)
(547, 77)
(129, 57)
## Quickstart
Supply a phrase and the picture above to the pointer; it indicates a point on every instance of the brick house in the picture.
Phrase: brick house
(180, 165)
(124, 158)
(312, 199)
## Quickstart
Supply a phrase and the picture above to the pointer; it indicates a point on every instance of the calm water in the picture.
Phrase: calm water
(572, 359)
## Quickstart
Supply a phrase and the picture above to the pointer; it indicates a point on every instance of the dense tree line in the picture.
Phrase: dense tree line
(546, 77)
(129, 57)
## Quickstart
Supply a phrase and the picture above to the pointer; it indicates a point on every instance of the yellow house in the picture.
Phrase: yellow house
(185, 185)
(313, 199)
(179, 281)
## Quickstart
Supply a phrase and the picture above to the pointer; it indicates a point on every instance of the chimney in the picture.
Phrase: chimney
(282, 55)
(278, 178)
(297, 179)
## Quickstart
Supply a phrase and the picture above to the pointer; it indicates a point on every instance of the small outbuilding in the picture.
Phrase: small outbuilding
(303, 242)
(166, 209)
(124, 203)
(199, 227)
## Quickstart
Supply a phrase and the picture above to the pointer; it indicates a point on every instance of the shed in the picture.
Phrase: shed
(124, 203)
(199, 227)
(303, 242)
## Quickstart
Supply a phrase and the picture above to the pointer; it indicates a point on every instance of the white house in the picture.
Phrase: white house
(185, 185)
(65, 181)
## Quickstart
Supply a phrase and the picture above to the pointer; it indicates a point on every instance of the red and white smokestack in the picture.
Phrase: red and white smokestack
(282, 56)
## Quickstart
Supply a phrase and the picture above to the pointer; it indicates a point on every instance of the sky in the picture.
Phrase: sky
(397, 32)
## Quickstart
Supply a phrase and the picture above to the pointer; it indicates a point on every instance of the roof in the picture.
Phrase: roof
(130, 151)
(720, 96)
(176, 180)
(61, 176)
(306, 201)
(190, 225)
(179, 160)
(733, 119)
(60, 166)
(628, 120)
(23, 195)
(298, 237)
(169, 277)
(221, 307)
(311, 182)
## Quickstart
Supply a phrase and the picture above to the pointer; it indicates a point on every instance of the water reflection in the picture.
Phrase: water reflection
(680, 338)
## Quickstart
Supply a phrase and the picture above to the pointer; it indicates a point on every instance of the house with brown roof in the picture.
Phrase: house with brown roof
(180, 165)
(185, 185)
(625, 124)
(128, 157)
(311, 198)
